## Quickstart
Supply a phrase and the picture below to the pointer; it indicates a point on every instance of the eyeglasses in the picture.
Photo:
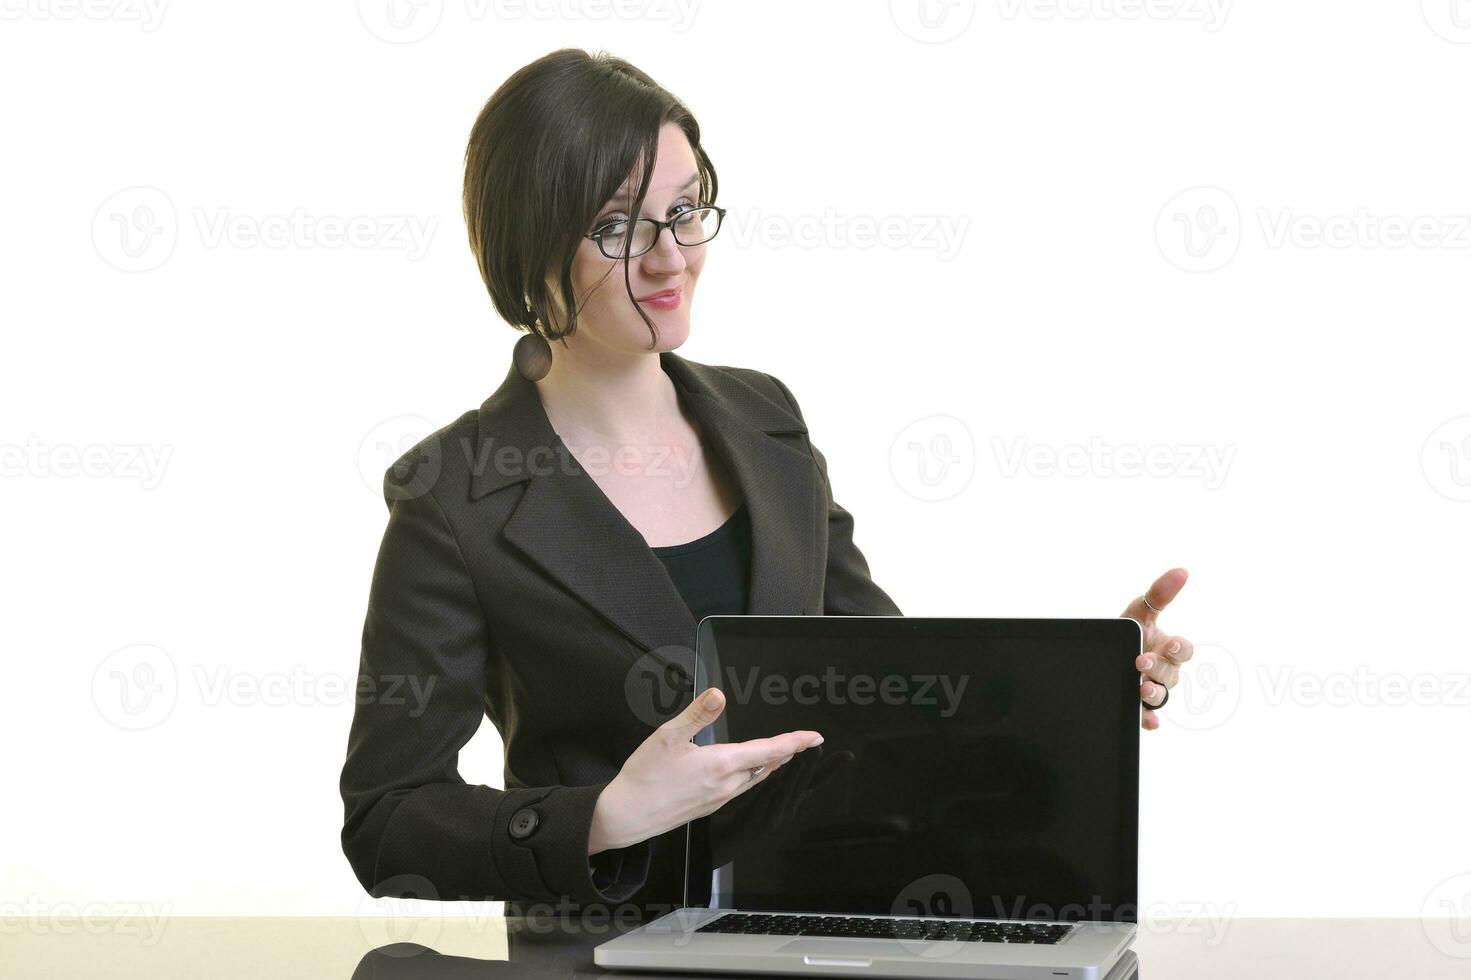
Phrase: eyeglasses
(695, 226)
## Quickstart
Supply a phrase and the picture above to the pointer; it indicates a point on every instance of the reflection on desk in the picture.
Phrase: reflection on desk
(456, 946)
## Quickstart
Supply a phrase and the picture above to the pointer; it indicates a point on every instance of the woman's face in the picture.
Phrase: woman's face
(606, 316)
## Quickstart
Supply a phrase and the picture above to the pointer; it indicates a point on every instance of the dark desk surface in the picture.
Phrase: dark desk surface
(450, 945)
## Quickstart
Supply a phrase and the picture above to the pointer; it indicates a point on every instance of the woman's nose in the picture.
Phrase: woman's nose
(666, 255)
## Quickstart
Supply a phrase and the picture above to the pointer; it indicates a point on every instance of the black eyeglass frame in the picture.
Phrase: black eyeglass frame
(659, 226)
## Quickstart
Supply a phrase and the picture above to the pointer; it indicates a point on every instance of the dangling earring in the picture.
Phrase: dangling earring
(533, 356)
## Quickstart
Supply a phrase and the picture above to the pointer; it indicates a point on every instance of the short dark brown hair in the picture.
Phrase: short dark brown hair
(551, 147)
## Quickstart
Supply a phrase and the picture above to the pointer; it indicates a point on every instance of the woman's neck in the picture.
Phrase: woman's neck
(608, 398)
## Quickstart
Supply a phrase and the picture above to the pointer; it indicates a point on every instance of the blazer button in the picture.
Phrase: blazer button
(523, 824)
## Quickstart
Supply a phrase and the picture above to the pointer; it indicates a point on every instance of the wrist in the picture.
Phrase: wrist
(608, 831)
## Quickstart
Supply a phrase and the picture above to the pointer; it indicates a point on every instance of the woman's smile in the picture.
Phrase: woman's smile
(666, 299)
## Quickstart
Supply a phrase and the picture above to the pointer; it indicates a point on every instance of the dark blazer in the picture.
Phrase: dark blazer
(509, 582)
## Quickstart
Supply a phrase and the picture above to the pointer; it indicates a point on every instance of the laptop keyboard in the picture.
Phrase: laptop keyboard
(859, 927)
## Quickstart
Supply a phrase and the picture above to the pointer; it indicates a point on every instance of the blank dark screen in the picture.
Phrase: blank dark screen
(970, 767)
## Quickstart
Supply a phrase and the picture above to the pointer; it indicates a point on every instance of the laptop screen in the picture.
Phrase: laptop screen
(970, 767)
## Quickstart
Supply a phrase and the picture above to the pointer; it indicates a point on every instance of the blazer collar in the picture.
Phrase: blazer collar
(565, 524)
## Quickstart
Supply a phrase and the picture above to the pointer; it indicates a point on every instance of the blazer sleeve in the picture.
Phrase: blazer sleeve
(413, 827)
(849, 589)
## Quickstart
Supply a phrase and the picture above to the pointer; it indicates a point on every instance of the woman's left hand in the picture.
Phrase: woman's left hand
(1159, 664)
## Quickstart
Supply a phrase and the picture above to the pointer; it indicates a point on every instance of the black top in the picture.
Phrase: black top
(713, 572)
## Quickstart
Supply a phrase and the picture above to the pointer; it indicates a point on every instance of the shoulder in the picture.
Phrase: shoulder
(435, 463)
(745, 382)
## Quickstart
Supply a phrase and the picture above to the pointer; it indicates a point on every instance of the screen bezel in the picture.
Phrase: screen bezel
(1126, 633)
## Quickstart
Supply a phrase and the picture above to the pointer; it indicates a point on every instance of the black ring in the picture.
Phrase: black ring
(1156, 707)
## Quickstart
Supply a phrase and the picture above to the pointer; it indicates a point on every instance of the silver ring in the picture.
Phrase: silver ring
(1145, 598)
(757, 771)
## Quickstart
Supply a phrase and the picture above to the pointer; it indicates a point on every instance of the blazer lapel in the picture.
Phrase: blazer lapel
(565, 524)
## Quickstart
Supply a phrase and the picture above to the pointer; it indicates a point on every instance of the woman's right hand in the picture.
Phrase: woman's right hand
(668, 780)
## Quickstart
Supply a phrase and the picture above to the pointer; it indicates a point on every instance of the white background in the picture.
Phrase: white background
(1177, 227)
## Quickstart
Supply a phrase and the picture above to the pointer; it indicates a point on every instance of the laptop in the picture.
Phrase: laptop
(973, 810)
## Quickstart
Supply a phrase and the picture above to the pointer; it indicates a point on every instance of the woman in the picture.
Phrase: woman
(551, 547)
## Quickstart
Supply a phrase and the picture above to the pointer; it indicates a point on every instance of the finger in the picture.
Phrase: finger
(1178, 650)
(1150, 721)
(761, 751)
(1156, 668)
(1153, 693)
(741, 781)
(702, 711)
(1159, 595)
